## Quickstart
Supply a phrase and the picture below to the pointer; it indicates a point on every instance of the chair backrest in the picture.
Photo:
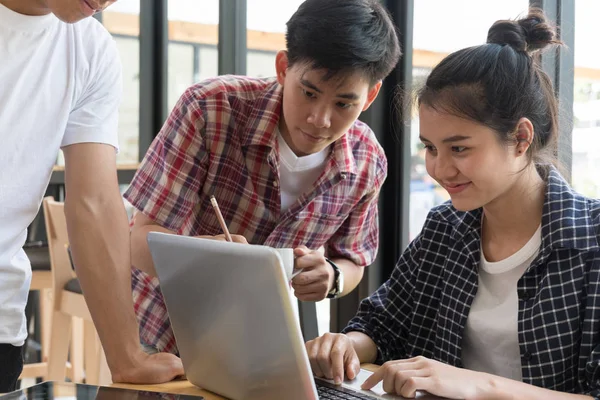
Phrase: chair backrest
(58, 241)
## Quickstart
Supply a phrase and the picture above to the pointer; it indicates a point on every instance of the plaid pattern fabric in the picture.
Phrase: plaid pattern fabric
(219, 140)
(422, 309)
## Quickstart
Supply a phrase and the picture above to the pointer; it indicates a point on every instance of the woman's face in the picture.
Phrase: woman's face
(468, 159)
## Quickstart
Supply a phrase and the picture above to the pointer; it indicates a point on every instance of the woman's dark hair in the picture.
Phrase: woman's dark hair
(498, 83)
(343, 36)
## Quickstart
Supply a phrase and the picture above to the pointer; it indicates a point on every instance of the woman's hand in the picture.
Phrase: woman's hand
(331, 355)
(406, 377)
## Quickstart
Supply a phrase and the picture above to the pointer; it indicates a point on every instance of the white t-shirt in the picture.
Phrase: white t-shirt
(60, 84)
(297, 174)
(490, 340)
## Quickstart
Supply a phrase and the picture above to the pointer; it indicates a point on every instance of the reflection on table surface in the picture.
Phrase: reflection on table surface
(71, 391)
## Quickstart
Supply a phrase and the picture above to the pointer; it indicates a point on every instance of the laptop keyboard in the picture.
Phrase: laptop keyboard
(333, 392)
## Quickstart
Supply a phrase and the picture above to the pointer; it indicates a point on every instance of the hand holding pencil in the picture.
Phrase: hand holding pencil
(225, 235)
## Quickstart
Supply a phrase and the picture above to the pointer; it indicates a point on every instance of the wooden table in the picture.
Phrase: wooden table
(185, 387)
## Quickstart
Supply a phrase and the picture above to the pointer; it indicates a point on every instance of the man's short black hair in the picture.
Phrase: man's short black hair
(344, 36)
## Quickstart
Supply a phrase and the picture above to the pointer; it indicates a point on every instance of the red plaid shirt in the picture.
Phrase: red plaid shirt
(220, 139)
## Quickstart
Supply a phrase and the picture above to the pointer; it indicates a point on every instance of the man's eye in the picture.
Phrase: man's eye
(308, 94)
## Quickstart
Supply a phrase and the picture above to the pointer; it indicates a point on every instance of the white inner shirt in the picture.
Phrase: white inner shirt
(490, 340)
(297, 175)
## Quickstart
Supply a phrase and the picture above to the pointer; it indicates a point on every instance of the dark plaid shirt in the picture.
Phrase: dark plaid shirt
(423, 308)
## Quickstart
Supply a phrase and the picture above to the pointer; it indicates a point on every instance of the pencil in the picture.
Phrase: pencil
(215, 206)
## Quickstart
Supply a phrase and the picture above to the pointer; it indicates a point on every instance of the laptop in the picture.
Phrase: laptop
(231, 312)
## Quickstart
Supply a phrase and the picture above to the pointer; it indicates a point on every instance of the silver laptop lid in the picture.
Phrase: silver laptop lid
(231, 313)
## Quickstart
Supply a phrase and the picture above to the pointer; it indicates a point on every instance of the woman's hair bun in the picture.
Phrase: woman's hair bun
(528, 34)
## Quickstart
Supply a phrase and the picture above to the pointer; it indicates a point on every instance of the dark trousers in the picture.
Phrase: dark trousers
(11, 365)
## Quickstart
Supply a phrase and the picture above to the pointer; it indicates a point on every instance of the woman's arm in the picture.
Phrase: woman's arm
(407, 377)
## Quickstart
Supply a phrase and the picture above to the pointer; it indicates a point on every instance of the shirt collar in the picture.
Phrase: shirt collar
(567, 221)
(264, 117)
(342, 154)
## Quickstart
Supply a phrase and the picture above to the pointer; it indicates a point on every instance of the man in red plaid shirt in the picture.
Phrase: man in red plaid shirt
(286, 158)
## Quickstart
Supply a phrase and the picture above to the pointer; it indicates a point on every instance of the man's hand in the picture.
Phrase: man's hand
(150, 368)
(317, 276)
(331, 355)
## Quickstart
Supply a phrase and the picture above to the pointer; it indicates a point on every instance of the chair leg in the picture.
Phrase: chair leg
(58, 352)
(90, 358)
(77, 351)
(104, 375)
(46, 320)
(96, 367)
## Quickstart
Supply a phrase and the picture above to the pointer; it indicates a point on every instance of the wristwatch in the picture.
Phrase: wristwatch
(338, 281)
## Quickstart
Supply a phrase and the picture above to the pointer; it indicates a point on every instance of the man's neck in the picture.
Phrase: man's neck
(27, 7)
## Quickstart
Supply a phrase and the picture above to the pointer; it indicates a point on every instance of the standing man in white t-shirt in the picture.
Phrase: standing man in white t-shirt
(60, 87)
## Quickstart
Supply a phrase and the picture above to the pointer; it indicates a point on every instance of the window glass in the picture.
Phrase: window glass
(586, 103)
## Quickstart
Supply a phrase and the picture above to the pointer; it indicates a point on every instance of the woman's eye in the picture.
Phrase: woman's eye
(428, 147)
(458, 149)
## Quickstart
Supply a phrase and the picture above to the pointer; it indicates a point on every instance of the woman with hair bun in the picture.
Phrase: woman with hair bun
(499, 295)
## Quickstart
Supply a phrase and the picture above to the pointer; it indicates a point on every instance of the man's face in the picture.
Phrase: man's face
(71, 11)
(318, 112)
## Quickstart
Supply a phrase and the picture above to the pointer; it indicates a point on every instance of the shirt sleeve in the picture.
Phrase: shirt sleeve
(385, 315)
(94, 117)
(166, 186)
(358, 237)
(592, 366)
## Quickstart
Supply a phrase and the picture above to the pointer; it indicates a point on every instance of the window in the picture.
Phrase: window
(430, 47)
(193, 36)
(586, 100)
(266, 36)
(123, 21)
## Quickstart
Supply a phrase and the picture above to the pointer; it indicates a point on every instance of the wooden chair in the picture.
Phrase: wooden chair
(69, 303)
(41, 280)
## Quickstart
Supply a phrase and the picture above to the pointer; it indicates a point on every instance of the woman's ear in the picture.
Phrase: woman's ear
(524, 135)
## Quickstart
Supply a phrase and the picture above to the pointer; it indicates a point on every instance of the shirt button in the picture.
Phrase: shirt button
(275, 183)
(527, 356)
(343, 176)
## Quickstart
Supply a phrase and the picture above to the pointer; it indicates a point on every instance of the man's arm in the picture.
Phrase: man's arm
(99, 239)
(140, 253)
